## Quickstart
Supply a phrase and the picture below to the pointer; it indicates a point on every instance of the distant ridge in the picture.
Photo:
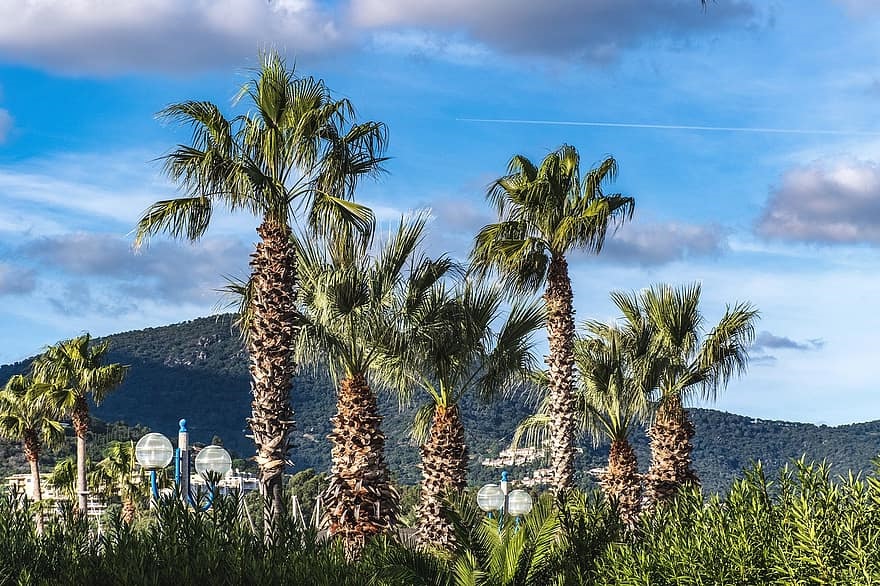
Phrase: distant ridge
(198, 370)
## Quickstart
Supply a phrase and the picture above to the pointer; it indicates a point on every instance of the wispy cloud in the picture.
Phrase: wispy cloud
(62, 193)
(595, 31)
(657, 243)
(700, 128)
(860, 7)
(767, 341)
(170, 272)
(429, 44)
(5, 124)
(16, 280)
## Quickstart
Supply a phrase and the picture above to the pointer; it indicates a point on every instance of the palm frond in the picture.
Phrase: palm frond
(421, 427)
(187, 217)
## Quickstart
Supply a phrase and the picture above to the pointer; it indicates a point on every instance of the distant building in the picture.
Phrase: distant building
(24, 483)
(234, 481)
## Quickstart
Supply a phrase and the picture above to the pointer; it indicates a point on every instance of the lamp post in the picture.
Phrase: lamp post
(493, 498)
(154, 452)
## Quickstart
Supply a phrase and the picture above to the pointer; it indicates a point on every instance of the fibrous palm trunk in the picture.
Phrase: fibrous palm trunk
(444, 469)
(360, 499)
(671, 450)
(32, 455)
(621, 482)
(269, 341)
(129, 509)
(79, 416)
(560, 361)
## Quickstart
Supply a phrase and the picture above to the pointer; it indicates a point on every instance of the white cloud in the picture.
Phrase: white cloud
(655, 243)
(594, 31)
(108, 36)
(173, 272)
(834, 202)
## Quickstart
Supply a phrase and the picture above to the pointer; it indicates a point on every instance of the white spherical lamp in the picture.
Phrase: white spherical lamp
(490, 498)
(519, 503)
(213, 462)
(154, 451)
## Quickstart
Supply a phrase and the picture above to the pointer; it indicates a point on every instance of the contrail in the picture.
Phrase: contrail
(674, 127)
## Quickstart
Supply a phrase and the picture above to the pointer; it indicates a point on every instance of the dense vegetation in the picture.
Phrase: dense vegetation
(197, 370)
(797, 528)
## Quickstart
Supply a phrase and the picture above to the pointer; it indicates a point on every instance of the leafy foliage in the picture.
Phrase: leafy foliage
(803, 526)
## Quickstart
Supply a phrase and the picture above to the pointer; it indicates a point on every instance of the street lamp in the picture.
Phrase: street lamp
(490, 498)
(154, 452)
(496, 498)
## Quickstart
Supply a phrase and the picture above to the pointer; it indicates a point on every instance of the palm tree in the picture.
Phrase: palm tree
(74, 368)
(546, 212)
(531, 552)
(694, 364)
(617, 373)
(63, 477)
(28, 415)
(118, 476)
(297, 151)
(454, 351)
(350, 301)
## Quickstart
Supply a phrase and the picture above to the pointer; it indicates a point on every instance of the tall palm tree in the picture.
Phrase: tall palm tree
(350, 301)
(545, 213)
(296, 152)
(457, 350)
(694, 363)
(75, 370)
(27, 414)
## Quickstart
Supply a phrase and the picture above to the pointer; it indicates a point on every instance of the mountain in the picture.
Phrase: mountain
(198, 370)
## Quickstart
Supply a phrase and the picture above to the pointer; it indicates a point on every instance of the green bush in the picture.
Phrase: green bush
(802, 527)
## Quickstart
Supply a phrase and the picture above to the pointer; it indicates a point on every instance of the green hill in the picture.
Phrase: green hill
(197, 370)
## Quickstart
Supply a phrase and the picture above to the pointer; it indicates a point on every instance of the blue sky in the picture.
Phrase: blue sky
(787, 220)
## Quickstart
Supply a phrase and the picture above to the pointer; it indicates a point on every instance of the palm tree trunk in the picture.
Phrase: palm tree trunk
(129, 509)
(79, 416)
(32, 455)
(269, 341)
(360, 499)
(621, 482)
(560, 361)
(444, 469)
(671, 450)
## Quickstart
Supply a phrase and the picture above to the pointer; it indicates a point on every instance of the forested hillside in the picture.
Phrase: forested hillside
(197, 370)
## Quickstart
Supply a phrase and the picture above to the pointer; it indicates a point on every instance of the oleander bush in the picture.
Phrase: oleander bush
(802, 526)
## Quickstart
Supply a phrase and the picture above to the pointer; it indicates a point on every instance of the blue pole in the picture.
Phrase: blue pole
(154, 485)
(504, 481)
